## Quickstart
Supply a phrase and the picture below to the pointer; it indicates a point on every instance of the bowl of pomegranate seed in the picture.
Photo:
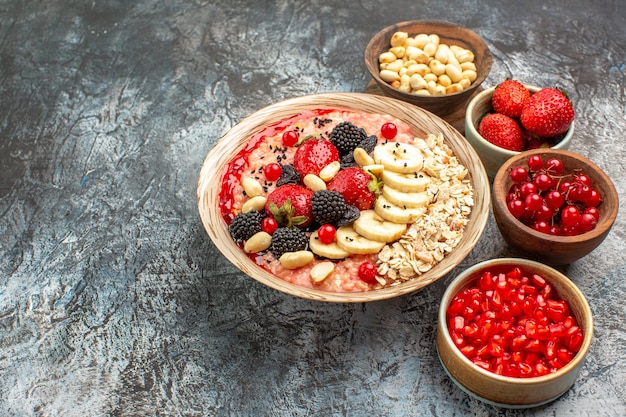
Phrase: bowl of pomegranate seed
(436, 65)
(502, 121)
(513, 332)
(553, 205)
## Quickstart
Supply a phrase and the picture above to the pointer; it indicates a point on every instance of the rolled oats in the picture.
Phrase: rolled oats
(436, 233)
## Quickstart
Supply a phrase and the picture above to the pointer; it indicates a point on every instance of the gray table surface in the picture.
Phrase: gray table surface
(114, 301)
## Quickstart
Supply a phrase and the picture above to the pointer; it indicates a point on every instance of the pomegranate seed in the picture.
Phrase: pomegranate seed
(468, 351)
(457, 323)
(514, 324)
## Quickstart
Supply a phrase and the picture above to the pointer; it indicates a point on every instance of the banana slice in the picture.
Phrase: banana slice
(405, 200)
(326, 250)
(393, 213)
(350, 241)
(399, 157)
(374, 227)
(414, 182)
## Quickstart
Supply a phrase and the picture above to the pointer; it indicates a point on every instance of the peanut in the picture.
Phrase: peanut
(313, 182)
(361, 157)
(329, 171)
(321, 271)
(252, 187)
(297, 259)
(258, 242)
(255, 203)
(449, 67)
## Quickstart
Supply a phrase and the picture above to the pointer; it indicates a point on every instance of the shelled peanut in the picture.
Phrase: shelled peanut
(421, 64)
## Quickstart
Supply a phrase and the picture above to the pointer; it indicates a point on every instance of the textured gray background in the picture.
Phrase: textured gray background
(114, 302)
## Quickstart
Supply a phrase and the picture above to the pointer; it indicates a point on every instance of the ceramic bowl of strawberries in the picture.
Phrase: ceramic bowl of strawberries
(513, 332)
(502, 121)
(553, 205)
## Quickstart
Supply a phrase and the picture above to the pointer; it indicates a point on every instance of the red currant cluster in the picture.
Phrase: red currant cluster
(552, 201)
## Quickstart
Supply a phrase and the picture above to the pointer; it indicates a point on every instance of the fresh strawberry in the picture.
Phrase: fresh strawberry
(502, 131)
(290, 205)
(357, 187)
(314, 154)
(547, 113)
(509, 97)
(533, 141)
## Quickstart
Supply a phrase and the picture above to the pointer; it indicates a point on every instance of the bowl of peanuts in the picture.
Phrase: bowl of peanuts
(433, 64)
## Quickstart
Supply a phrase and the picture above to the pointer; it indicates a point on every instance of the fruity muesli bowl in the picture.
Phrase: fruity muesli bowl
(286, 198)
(552, 205)
(513, 332)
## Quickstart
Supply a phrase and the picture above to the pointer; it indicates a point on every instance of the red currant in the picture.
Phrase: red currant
(543, 182)
(367, 272)
(326, 233)
(544, 213)
(593, 211)
(554, 199)
(587, 222)
(570, 216)
(290, 138)
(517, 208)
(269, 225)
(389, 130)
(541, 226)
(554, 166)
(594, 198)
(583, 179)
(535, 162)
(527, 188)
(533, 202)
(564, 187)
(519, 174)
(272, 171)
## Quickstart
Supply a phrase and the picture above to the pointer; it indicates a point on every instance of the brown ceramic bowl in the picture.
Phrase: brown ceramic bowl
(554, 250)
(449, 34)
(421, 123)
(506, 391)
(491, 155)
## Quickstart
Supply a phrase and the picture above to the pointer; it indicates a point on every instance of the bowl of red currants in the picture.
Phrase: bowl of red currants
(513, 332)
(555, 206)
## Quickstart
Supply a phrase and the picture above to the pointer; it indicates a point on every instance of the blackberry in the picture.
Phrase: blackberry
(288, 239)
(369, 143)
(346, 137)
(244, 225)
(349, 216)
(328, 206)
(289, 175)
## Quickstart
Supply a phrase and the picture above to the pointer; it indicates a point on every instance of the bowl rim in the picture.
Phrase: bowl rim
(471, 127)
(498, 194)
(386, 105)
(471, 273)
(375, 74)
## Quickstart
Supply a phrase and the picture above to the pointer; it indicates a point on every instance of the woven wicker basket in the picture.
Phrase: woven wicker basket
(422, 122)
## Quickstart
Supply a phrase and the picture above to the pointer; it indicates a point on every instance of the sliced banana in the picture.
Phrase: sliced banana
(399, 157)
(350, 241)
(396, 214)
(405, 200)
(374, 227)
(413, 182)
(326, 250)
